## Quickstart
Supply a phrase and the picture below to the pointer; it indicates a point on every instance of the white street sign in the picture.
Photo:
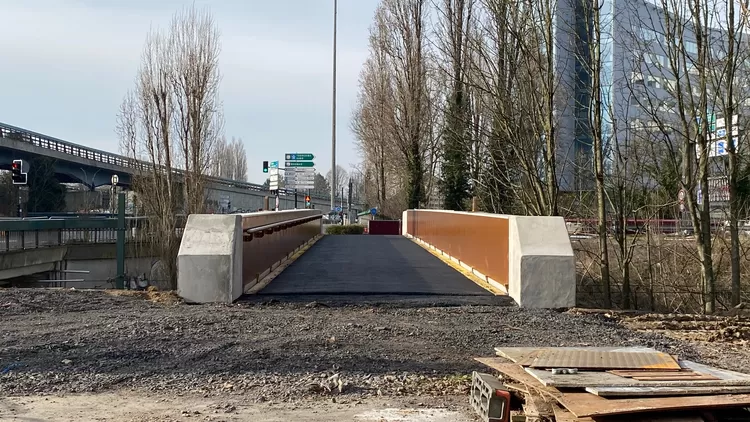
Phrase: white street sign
(115, 179)
(274, 177)
(720, 122)
(300, 179)
(301, 186)
(300, 176)
(310, 170)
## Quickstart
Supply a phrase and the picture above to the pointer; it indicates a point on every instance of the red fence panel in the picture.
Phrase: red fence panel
(385, 227)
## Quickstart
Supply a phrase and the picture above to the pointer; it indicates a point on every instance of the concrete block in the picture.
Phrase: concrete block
(209, 263)
(541, 263)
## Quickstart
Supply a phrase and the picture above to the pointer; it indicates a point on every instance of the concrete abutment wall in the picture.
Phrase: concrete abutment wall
(218, 261)
(529, 257)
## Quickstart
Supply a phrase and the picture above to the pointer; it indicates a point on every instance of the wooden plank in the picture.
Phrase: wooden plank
(648, 373)
(562, 415)
(520, 355)
(594, 359)
(677, 377)
(537, 407)
(717, 372)
(585, 379)
(589, 405)
(582, 404)
(655, 417)
(664, 391)
(526, 355)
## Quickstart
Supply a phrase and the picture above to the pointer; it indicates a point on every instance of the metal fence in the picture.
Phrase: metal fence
(24, 234)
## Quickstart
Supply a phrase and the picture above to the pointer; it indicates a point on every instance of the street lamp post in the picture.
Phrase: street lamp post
(333, 118)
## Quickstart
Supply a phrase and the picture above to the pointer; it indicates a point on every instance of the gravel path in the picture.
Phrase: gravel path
(54, 341)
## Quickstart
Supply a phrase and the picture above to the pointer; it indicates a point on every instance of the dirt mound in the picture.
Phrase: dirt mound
(706, 328)
(151, 294)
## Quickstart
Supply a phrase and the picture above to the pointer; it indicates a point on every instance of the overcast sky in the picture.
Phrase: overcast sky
(66, 65)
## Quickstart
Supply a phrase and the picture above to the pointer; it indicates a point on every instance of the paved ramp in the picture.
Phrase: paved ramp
(370, 265)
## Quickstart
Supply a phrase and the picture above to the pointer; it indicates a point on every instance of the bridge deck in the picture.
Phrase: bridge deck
(351, 265)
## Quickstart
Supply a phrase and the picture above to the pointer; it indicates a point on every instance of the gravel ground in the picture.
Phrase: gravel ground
(63, 341)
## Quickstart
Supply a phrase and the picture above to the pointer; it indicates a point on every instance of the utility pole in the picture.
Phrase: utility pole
(349, 198)
(20, 207)
(333, 118)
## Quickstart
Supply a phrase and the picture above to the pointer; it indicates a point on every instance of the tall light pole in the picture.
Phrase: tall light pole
(333, 119)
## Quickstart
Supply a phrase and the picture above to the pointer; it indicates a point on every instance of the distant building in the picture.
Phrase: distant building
(637, 77)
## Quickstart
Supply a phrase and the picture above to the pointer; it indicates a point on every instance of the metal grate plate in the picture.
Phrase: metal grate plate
(585, 359)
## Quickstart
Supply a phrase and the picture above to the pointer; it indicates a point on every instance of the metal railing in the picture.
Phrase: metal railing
(267, 244)
(132, 165)
(260, 231)
(33, 233)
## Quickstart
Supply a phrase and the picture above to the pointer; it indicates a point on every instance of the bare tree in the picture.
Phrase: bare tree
(406, 50)
(171, 120)
(729, 53)
(516, 82)
(682, 34)
(394, 121)
(342, 179)
(229, 160)
(595, 101)
(194, 40)
(455, 27)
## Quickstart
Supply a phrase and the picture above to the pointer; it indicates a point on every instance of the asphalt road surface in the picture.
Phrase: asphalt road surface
(370, 265)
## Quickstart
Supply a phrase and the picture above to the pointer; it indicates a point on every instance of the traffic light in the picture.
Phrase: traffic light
(18, 174)
(307, 201)
(265, 167)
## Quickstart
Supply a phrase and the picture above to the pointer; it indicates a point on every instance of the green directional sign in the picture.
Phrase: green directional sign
(300, 164)
(299, 156)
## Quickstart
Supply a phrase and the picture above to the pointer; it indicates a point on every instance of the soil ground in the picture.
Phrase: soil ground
(94, 355)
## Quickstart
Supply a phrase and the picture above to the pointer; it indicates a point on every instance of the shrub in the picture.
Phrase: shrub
(347, 229)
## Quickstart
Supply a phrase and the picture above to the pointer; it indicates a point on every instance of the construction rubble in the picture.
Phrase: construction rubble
(587, 384)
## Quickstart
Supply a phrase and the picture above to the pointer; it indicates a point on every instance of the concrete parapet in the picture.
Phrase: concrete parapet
(218, 260)
(209, 263)
(531, 257)
(541, 270)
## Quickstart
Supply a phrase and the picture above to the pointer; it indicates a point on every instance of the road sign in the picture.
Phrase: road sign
(681, 196)
(115, 179)
(300, 182)
(274, 178)
(721, 148)
(274, 164)
(300, 170)
(300, 176)
(299, 164)
(373, 211)
(338, 209)
(301, 186)
(299, 156)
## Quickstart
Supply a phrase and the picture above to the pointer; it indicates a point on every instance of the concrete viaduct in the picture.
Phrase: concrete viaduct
(80, 164)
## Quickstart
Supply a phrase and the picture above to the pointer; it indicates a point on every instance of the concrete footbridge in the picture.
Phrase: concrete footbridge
(437, 253)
